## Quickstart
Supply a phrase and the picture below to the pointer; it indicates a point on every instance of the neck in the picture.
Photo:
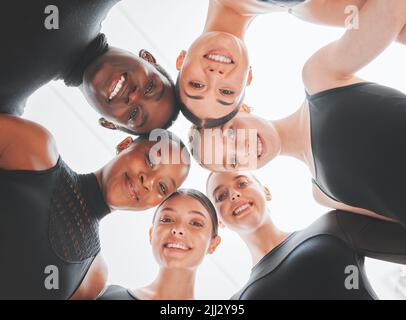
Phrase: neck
(254, 239)
(99, 177)
(172, 284)
(225, 19)
(293, 132)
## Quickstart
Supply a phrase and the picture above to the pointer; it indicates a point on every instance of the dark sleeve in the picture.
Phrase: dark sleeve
(114, 292)
(374, 238)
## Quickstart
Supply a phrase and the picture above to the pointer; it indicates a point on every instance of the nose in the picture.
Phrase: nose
(215, 69)
(177, 232)
(145, 182)
(132, 96)
(235, 195)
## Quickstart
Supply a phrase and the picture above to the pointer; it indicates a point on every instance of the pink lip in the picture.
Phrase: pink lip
(131, 188)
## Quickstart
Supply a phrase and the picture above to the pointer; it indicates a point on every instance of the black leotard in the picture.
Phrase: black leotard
(31, 55)
(115, 292)
(311, 264)
(48, 218)
(358, 141)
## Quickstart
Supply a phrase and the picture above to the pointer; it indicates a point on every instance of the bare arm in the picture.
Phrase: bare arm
(25, 145)
(380, 23)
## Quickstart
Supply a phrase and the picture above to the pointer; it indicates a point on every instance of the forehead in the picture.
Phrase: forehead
(182, 205)
(223, 178)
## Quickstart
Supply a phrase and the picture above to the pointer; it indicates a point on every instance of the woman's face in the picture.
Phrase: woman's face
(213, 75)
(182, 233)
(129, 91)
(246, 142)
(138, 179)
(239, 199)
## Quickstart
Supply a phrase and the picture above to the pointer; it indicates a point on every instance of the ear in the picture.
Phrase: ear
(107, 124)
(245, 108)
(214, 244)
(249, 79)
(147, 56)
(150, 234)
(268, 194)
(180, 59)
(124, 144)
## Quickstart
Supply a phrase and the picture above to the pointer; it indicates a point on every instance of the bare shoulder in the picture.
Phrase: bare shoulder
(25, 145)
(316, 79)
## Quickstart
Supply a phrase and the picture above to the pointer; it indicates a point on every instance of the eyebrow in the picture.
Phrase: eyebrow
(144, 118)
(197, 212)
(224, 103)
(161, 94)
(193, 97)
(173, 182)
(169, 209)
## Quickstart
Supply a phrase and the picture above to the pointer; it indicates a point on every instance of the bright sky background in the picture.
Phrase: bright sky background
(279, 45)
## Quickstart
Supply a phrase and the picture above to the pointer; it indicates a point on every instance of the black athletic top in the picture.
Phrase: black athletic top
(115, 292)
(312, 263)
(48, 218)
(358, 140)
(31, 55)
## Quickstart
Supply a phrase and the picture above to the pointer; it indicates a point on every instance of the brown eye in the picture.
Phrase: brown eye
(196, 224)
(148, 161)
(196, 85)
(163, 188)
(166, 220)
(149, 87)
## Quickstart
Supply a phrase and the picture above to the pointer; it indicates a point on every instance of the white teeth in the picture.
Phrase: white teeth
(259, 147)
(117, 88)
(177, 245)
(219, 58)
(241, 209)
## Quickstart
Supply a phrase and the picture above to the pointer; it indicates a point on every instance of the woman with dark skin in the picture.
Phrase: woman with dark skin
(131, 92)
(184, 230)
(50, 214)
(215, 70)
(314, 263)
(348, 132)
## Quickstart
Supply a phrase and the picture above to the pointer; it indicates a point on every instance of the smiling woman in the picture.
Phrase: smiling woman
(61, 206)
(184, 230)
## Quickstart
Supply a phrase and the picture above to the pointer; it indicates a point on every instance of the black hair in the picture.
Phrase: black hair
(204, 201)
(205, 123)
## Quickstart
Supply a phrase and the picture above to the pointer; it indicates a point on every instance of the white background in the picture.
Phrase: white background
(279, 45)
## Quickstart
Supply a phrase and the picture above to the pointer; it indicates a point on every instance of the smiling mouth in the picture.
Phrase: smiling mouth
(260, 147)
(117, 87)
(131, 188)
(242, 208)
(177, 246)
(218, 57)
